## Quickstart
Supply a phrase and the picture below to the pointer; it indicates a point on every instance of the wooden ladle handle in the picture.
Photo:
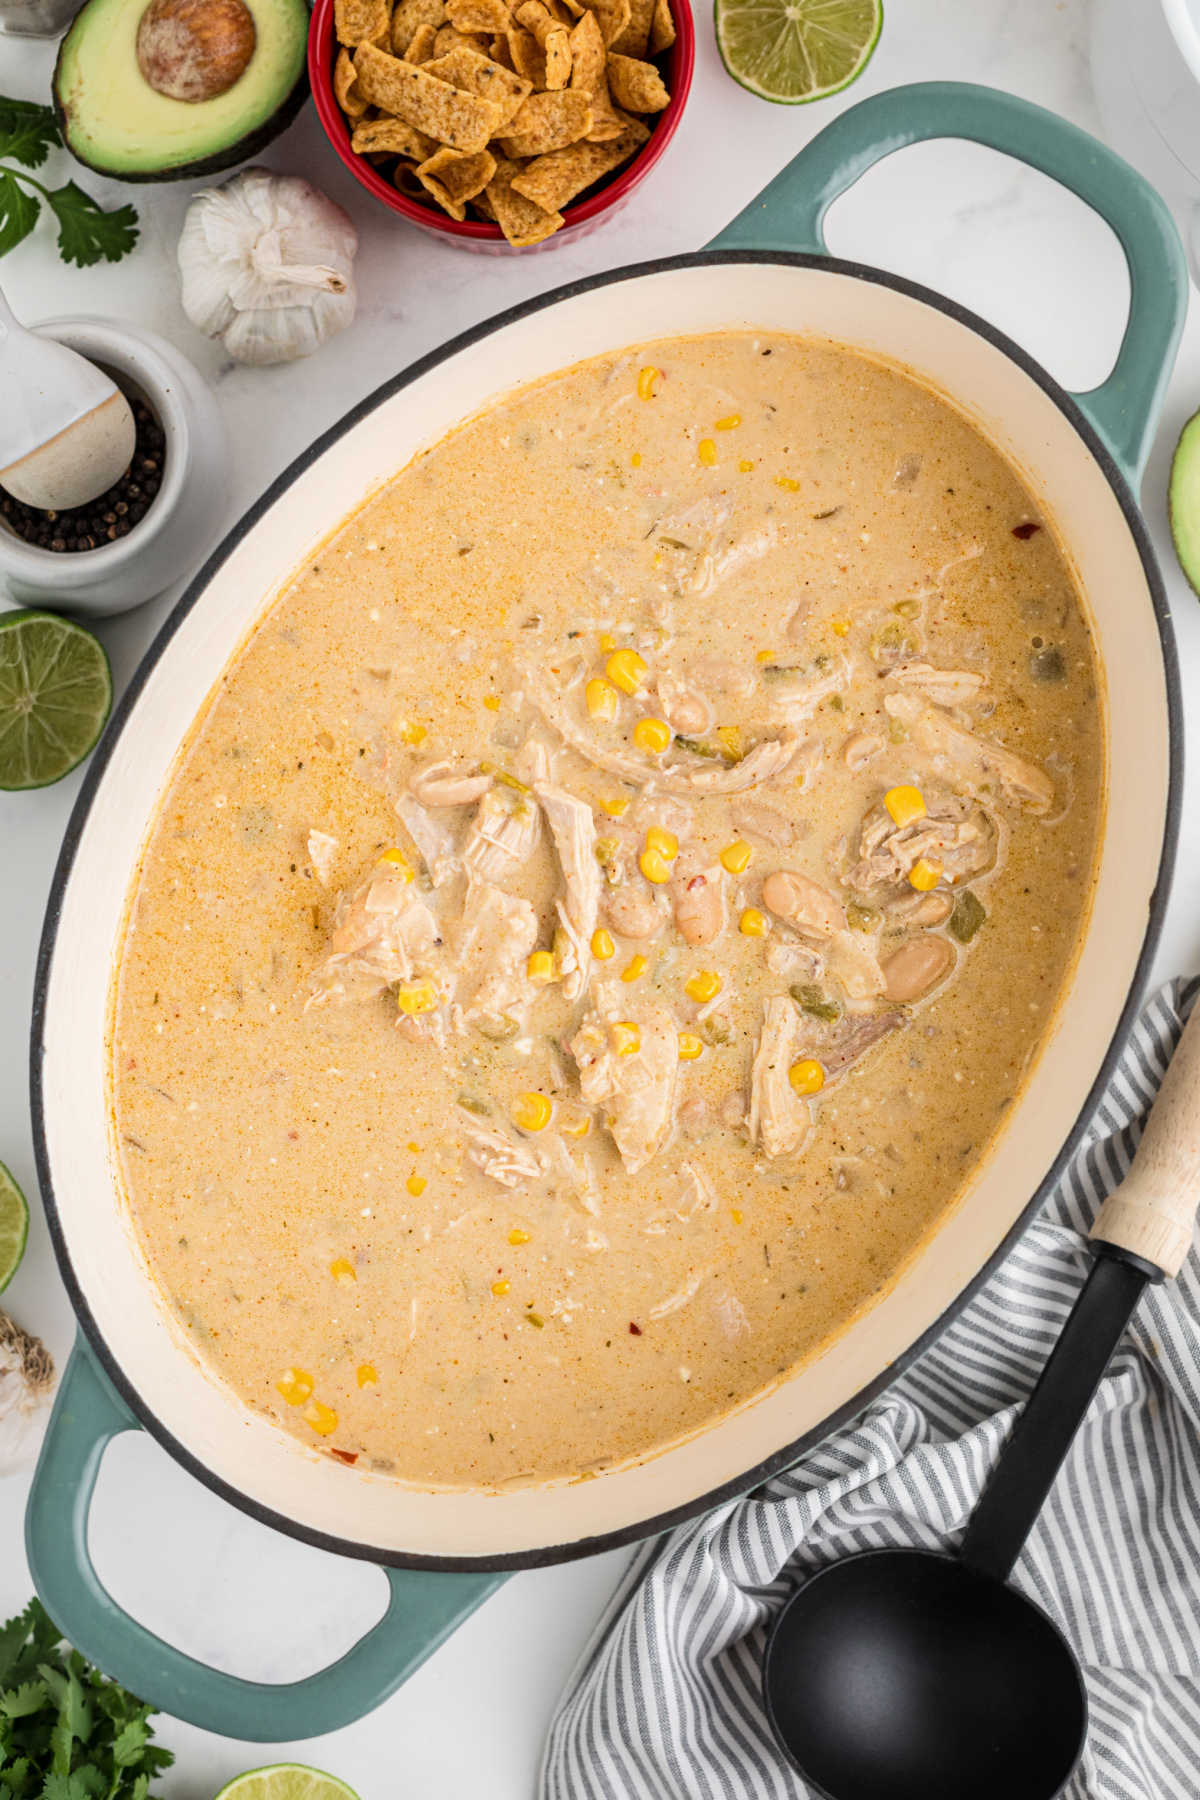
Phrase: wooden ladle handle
(1153, 1212)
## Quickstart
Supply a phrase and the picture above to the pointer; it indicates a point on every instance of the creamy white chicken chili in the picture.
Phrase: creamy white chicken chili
(606, 911)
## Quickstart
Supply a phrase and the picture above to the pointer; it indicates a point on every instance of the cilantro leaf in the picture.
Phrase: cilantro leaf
(27, 131)
(18, 211)
(86, 233)
(22, 1701)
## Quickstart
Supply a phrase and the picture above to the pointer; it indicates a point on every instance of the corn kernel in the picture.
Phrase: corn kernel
(342, 1270)
(690, 1046)
(905, 804)
(408, 731)
(600, 698)
(602, 945)
(745, 466)
(531, 1112)
(636, 460)
(413, 1149)
(752, 923)
(615, 805)
(416, 996)
(647, 381)
(704, 986)
(517, 1236)
(736, 856)
(321, 1418)
(397, 860)
(665, 842)
(366, 1375)
(707, 452)
(626, 670)
(635, 967)
(608, 643)
(764, 656)
(925, 873)
(653, 735)
(840, 627)
(627, 1039)
(736, 1214)
(576, 1124)
(807, 1076)
(500, 1287)
(730, 739)
(416, 1185)
(492, 702)
(654, 867)
(787, 484)
(540, 966)
(731, 423)
(296, 1386)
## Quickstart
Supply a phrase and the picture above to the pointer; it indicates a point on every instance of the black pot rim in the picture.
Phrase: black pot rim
(541, 1556)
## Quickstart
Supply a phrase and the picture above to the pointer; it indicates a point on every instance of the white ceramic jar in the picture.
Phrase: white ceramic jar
(186, 512)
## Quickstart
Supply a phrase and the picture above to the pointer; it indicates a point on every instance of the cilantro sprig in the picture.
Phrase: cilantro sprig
(66, 1731)
(87, 232)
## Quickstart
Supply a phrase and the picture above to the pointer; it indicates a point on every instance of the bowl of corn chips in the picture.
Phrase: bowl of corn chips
(502, 125)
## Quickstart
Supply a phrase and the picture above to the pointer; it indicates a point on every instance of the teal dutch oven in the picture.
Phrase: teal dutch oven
(1082, 457)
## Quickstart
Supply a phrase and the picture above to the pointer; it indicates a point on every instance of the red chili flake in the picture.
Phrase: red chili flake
(634, 1330)
(1026, 529)
(349, 1457)
(293, 1135)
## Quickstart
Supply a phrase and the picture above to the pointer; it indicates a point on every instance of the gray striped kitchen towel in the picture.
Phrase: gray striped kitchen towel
(665, 1702)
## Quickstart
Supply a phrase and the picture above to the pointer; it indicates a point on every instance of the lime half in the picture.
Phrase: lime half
(55, 694)
(791, 51)
(286, 1781)
(14, 1227)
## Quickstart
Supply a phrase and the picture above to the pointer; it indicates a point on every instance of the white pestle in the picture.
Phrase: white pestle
(66, 429)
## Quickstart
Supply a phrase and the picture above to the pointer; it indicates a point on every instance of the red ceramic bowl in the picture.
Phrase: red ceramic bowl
(481, 234)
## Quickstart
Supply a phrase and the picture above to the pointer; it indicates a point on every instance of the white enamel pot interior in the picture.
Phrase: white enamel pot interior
(240, 1452)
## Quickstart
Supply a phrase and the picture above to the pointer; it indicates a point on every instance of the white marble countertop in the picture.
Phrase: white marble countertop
(984, 230)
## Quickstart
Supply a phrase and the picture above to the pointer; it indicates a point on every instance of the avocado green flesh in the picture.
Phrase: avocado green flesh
(1185, 500)
(114, 121)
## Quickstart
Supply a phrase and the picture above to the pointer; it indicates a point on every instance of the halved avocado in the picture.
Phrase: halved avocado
(1184, 500)
(179, 88)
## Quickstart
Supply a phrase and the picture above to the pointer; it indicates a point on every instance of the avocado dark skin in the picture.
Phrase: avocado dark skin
(240, 151)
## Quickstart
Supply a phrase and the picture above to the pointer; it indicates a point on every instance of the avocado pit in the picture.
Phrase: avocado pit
(195, 50)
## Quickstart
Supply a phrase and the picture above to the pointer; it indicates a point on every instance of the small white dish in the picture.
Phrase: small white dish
(185, 513)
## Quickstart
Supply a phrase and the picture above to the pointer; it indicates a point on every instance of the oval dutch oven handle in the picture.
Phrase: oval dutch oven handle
(789, 213)
(424, 1606)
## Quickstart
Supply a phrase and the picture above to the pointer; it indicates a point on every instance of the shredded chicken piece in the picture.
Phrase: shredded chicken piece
(501, 837)
(384, 932)
(576, 1171)
(758, 818)
(945, 687)
(441, 784)
(780, 1119)
(958, 835)
(498, 932)
(730, 1316)
(532, 763)
(853, 960)
(716, 566)
(794, 702)
(682, 1296)
(322, 850)
(495, 1154)
(573, 829)
(847, 1041)
(637, 1090)
(696, 1193)
(433, 840)
(692, 775)
(973, 759)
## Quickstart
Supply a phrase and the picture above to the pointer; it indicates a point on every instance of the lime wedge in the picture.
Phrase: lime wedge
(286, 1781)
(14, 1227)
(797, 50)
(55, 694)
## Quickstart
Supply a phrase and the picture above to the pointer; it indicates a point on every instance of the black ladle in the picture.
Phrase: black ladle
(917, 1675)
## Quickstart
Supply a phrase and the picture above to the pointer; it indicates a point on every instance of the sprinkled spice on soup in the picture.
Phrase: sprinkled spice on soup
(606, 911)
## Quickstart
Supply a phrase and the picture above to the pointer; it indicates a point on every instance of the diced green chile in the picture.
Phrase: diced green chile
(968, 915)
(1048, 664)
(815, 1003)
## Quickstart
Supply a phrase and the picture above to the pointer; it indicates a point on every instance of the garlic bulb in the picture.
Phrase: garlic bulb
(266, 262)
(26, 1388)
